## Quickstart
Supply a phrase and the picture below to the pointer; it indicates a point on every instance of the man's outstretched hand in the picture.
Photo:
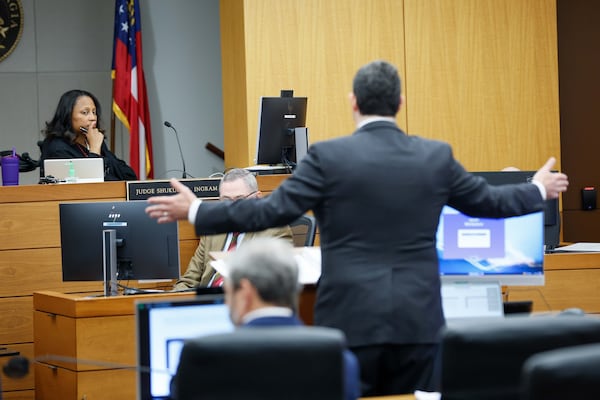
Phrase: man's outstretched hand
(554, 182)
(171, 208)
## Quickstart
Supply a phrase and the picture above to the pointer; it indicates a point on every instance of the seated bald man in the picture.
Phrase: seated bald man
(236, 184)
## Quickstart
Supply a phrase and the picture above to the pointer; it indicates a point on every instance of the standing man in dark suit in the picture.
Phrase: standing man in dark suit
(377, 197)
(262, 290)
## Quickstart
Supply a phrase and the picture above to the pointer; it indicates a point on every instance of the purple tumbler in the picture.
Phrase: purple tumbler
(10, 170)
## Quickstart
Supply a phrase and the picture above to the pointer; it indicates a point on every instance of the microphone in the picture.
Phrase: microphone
(18, 366)
(169, 125)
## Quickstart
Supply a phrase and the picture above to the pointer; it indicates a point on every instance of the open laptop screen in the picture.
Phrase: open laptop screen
(162, 327)
(75, 170)
(464, 300)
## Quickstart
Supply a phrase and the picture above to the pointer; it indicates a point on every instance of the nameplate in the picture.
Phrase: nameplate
(202, 188)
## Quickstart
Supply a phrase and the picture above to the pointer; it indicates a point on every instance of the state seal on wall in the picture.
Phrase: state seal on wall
(11, 26)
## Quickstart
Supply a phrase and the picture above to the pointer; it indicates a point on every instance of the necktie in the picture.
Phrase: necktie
(233, 243)
(218, 279)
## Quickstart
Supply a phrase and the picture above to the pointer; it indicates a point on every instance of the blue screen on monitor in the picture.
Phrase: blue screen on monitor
(507, 250)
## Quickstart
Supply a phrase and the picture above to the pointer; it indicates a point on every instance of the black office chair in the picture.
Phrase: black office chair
(566, 373)
(483, 360)
(304, 230)
(263, 363)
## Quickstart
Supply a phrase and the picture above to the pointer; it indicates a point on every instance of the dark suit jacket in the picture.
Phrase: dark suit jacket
(351, 369)
(377, 197)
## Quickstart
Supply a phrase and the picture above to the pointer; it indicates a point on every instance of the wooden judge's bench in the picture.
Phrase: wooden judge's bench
(30, 260)
(68, 323)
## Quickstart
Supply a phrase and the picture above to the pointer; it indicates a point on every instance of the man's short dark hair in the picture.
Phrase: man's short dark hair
(377, 89)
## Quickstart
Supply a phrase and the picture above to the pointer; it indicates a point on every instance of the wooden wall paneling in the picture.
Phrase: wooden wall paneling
(313, 47)
(60, 383)
(23, 222)
(70, 192)
(55, 334)
(54, 383)
(30, 261)
(187, 248)
(186, 231)
(572, 280)
(33, 224)
(563, 289)
(110, 339)
(233, 64)
(97, 384)
(36, 269)
(188, 241)
(16, 320)
(482, 75)
(19, 395)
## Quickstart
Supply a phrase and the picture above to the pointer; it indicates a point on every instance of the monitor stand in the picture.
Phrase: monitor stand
(301, 143)
(109, 262)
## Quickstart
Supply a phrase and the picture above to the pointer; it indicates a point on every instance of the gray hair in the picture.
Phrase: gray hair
(240, 173)
(270, 266)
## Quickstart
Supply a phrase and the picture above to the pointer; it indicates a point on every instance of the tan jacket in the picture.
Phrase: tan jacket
(199, 271)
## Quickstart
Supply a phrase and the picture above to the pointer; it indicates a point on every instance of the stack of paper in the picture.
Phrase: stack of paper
(583, 247)
(308, 259)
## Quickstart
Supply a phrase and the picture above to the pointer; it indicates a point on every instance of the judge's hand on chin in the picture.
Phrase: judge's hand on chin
(171, 208)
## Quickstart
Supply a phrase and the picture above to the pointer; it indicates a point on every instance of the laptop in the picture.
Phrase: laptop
(163, 326)
(468, 300)
(75, 170)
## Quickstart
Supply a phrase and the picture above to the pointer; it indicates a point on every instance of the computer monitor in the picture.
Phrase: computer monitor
(278, 140)
(145, 249)
(551, 208)
(162, 328)
(509, 251)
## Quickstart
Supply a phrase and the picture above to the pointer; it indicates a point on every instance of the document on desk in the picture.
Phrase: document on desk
(581, 247)
(308, 259)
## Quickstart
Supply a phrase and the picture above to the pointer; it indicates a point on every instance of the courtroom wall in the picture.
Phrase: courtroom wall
(579, 61)
(67, 44)
(480, 74)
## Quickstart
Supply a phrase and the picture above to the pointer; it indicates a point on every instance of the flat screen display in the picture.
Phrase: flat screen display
(145, 249)
(278, 116)
(509, 251)
(551, 208)
(162, 328)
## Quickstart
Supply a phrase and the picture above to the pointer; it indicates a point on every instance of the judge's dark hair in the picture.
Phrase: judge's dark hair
(377, 89)
(60, 125)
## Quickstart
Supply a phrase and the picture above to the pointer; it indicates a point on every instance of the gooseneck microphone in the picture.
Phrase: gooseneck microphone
(19, 366)
(16, 367)
(169, 125)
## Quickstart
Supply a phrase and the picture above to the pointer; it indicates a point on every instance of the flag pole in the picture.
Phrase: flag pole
(112, 130)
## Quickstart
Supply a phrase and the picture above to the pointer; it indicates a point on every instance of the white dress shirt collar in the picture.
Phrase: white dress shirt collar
(375, 118)
(267, 312)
